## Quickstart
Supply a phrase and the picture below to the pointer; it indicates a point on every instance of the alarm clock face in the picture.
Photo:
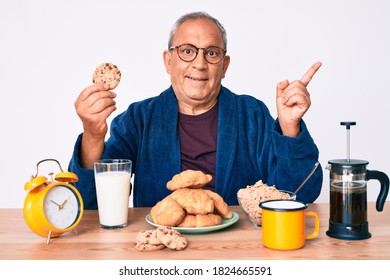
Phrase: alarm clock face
(61, 206)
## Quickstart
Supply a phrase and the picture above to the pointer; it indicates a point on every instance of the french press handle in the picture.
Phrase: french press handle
(384, 181)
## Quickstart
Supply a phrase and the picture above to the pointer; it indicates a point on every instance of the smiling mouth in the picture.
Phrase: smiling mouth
(197, 79)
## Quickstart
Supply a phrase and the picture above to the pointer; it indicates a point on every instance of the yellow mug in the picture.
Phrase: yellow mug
(283, 224)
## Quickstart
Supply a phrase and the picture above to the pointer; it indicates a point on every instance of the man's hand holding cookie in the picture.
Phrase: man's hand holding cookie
(94, 105)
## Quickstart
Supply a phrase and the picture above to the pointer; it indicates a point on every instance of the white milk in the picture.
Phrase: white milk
(113, 191)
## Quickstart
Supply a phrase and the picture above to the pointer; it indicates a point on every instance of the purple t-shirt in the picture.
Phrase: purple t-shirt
(198, 141)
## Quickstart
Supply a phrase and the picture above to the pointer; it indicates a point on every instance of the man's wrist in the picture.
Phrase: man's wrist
(91, 150)
(290, 130)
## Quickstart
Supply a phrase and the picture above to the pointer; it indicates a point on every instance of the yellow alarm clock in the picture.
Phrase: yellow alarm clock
(52, 207)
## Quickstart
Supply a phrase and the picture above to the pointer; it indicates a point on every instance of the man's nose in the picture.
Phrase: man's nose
(200, 59)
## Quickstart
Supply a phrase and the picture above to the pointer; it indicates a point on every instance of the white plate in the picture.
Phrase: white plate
(225, 223)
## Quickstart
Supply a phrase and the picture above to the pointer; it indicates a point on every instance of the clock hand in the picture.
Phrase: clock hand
(62, 205)
(59, 206)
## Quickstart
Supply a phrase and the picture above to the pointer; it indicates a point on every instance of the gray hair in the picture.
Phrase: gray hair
(197, 15)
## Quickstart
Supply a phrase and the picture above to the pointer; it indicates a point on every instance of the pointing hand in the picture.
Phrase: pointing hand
(293, 101)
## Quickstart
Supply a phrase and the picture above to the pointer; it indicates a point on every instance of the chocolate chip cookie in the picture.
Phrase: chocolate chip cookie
(172, 238)
(107, 73)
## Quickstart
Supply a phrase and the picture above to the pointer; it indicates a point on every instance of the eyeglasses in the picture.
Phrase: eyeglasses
(188, 53)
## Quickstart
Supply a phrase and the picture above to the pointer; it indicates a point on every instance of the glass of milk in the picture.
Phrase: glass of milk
(112, 180)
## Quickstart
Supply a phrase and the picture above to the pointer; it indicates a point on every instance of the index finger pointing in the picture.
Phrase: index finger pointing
(306, 78)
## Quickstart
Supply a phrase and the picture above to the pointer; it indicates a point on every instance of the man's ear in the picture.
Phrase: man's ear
(167, 57)
(226, 62)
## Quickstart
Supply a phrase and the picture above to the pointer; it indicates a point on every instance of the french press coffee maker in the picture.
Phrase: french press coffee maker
(348, 195)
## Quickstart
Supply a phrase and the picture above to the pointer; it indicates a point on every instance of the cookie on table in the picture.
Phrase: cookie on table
(172, 238)
(148, 237)
(146, 247)
(147, 240)
(107, 73)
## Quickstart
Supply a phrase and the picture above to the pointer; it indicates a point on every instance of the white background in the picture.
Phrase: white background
(49, 50)
(109, 269)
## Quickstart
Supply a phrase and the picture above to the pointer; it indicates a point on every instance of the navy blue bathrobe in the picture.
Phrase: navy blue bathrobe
(250, 147)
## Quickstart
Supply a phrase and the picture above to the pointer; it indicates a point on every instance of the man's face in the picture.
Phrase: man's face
(196, 83)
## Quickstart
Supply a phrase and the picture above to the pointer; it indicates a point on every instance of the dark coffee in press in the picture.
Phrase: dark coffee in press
(351, 201)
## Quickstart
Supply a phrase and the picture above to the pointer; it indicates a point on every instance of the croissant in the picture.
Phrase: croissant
(194, 201)
(189, 221)
(200, 220)
(220, 205)
(189, 179)
(167, 212)
(208, 220)
(189, 205)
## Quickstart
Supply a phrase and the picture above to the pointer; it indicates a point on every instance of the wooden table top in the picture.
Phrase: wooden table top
(241, 241)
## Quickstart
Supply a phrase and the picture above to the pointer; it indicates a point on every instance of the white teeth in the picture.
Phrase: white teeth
(197, 79)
